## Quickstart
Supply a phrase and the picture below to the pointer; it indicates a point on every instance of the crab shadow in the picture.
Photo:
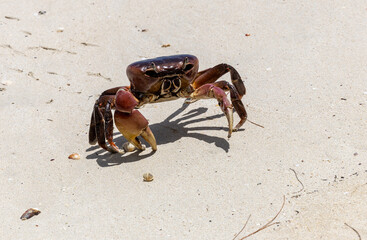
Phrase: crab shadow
(165, 132)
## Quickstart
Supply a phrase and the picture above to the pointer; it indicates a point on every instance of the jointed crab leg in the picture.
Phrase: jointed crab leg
(237, 90)
(109, 127)
(211, 75)
(101, 126)
(236, 101)
(100, 117)
(212, 91)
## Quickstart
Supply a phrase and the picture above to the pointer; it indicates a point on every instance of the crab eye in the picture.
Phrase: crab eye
(152, 71)
(188, 67)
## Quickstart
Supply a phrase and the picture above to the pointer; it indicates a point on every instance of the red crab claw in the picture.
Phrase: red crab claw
(130, 122)
(211, 91)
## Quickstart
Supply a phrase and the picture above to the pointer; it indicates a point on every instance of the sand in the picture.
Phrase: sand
(304, 67)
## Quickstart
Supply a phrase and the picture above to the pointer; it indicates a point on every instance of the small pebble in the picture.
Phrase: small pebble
(148, 177)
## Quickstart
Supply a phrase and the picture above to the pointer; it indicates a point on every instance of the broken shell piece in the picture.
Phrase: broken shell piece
(128, 147)
(148, 177)
(6, 83)
(74, 156)
(30, 213)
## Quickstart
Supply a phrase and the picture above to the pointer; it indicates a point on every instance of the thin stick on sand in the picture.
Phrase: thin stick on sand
(268, 224)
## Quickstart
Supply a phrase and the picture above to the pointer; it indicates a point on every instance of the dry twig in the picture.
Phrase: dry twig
(242, 227)
(359, 236)
(268, 224)
(303, 187)
(256, 124)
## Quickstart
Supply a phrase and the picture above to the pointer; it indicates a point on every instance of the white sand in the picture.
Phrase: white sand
(300, 60)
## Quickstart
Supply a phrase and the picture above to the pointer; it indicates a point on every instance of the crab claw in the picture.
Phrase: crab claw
(134, 124)
(211, 91)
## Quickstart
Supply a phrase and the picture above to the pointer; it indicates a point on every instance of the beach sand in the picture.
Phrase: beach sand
(303, 64)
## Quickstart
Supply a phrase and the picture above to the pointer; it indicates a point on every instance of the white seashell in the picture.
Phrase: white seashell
(128, 147)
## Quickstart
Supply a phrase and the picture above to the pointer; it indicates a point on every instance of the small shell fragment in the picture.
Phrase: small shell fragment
(30, 213)
(148, 177)
(74, 156)
(128, 147)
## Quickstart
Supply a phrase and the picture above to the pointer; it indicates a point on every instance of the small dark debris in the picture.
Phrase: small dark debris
(343, 99)
(41, 12)
(52, 159)
(355, 154)
(89, 44)
(12, 18)
(166, 45)
(247, 34)
(48, 48)
(48, 119)
(296, 196)
(27, 33)
(50, 101)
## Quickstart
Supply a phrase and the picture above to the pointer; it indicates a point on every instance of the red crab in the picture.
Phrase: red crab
(158, 80)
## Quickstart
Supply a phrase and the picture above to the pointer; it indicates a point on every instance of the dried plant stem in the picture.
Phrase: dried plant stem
(268, 224)
(359, 236)
(255, 124)
(303, 187)
(242, 228)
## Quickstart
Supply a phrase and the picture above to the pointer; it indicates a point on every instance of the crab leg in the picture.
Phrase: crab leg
(109, 127)
(101, 126)
(211, 75)
(211, 91)
(237, 90)
(236, 101)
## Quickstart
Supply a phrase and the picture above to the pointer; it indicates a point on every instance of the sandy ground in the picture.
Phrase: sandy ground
(304, 66)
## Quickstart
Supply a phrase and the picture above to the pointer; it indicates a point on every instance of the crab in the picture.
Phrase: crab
(158, 80)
